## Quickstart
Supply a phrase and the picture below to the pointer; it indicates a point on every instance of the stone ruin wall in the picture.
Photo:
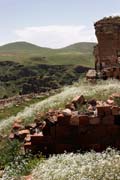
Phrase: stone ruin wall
(107, 51)
(97, 127)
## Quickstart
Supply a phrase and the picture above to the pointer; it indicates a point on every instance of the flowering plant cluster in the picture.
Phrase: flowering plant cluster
(88, 166)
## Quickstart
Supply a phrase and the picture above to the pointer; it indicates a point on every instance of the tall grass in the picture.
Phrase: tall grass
(100, 91)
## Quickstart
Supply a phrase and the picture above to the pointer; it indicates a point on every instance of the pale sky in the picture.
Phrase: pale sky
(52, 23)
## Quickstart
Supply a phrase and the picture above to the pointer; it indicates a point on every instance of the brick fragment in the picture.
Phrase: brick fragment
(17, 126)
(110, 102)
(78, 100)
(11, 136)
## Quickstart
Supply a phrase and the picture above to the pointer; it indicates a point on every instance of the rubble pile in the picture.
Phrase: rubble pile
(83, 124)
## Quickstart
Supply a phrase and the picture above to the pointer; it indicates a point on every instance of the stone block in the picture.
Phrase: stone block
(74, 121)
(93, 120)
(83, 120)
(61, 148)
(63, 120)
(115, 110)
(108, 120)
(100, 110)
(117, 120)
(66, 134)
(53, 132)
(107, 110)
(38, 139)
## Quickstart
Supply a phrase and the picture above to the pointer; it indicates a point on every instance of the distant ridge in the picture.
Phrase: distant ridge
(83, 47)
(26, 46)
(20, 46)
(30, 54)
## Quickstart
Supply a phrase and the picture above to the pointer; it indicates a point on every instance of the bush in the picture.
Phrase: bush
(8, 151)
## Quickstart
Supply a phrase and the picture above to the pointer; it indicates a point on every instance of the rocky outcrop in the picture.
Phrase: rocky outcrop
(107, 51)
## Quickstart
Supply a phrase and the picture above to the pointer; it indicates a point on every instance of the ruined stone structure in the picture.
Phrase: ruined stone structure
(107, 51)
(72, 129)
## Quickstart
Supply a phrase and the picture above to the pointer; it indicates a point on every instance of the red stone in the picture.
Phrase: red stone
(25, 131)
(78, 100)
(63, 120)
(27, 146)
(11, 136)
(39, 139)
(110, 102)
(93, 120)
(74, 121)
(17, 126)
(61, 148)
(83, 120)
(107, 110)
(100, 110)
(115, 110)
(108, 120)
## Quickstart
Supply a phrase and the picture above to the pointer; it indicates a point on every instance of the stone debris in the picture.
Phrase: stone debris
(96, 127)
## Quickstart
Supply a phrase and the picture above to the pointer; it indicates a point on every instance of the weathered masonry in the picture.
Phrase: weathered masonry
(107, 51)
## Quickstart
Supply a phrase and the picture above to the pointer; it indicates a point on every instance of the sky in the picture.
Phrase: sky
(53, 23)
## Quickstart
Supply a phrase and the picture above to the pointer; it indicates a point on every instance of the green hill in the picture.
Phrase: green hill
(83, 47)
(20, 47)
(30, 54)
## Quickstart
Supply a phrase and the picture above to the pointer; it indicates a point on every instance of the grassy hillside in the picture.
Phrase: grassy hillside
(27, 53)
(26, 68)
(83, 47)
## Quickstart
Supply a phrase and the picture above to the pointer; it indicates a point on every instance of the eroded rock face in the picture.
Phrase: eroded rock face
(107, 51)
